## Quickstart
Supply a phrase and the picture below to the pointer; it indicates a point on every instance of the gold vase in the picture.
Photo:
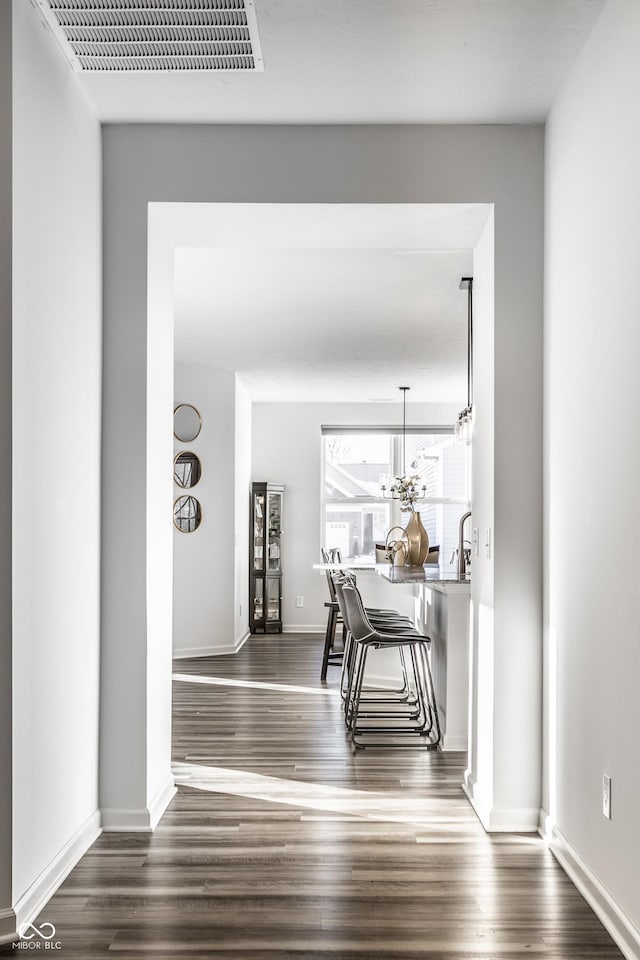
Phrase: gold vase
(418, 541)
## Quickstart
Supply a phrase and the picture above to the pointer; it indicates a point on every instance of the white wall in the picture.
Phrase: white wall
(592, 453)
(203, 604)
(6, 914)
(287, 448)
(333, 164)
(56, 453)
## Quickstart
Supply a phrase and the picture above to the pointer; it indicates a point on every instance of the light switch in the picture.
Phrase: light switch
(475, 540)
(487, 544)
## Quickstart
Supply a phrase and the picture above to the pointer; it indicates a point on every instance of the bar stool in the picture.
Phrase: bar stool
(409, 721)
(388, 620)
(334, 617)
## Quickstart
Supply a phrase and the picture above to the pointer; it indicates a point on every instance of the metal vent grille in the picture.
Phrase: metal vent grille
(150, 36)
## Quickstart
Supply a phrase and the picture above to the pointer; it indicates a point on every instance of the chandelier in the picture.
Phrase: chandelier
(464, 424)
(405, 488)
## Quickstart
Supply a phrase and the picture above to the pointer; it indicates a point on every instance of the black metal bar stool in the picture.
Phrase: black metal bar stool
(331, 657)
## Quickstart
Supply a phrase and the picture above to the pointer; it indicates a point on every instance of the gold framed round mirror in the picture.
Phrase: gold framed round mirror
(187, 422)
(187, 514)
(187, 469)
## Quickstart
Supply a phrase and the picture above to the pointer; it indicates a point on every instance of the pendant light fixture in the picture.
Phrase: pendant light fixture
(464, 424)
(405, 488)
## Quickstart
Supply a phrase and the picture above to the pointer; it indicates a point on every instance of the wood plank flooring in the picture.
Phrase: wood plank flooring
(284, 843)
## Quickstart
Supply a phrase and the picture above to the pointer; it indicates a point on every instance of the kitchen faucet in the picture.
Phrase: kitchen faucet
(464, 553)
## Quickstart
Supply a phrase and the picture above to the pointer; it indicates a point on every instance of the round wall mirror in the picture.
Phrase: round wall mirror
(187, 514)
(186, 422)
(187, 469)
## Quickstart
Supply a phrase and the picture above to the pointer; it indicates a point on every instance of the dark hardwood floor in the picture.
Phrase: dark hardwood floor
(283, 843)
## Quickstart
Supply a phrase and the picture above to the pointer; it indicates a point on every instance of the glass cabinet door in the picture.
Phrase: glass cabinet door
(273, 598)
(265, 561)
(258, 599)
(258, 531)
(274, 510)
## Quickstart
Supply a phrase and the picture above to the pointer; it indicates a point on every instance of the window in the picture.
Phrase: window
(357, 463)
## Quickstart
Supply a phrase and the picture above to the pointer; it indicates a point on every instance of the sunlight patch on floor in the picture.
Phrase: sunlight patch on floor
(318, 796)
(254, 685)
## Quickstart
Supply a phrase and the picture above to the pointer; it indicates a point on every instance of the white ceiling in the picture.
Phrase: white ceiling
(308, 312)
(374, 61)
(303, 313)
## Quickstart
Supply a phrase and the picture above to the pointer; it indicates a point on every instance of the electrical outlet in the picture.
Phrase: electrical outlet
(299, 601)
(606, 797)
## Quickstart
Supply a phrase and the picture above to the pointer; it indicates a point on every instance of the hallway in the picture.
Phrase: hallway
(283, 843)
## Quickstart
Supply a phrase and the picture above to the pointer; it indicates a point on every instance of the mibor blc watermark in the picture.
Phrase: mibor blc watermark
(37, 938)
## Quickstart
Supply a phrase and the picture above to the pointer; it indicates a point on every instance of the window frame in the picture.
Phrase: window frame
(396, 468)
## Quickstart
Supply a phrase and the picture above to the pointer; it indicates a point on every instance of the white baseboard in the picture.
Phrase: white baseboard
(305, 628)
(144, 820)
(468, 785)
(545, 825)
(126, 820)
(454, 744)
(501, 819)
(8, 926)
(161, 801)
(623, 931)
(513, 820)
(189, 653)
(42, 889)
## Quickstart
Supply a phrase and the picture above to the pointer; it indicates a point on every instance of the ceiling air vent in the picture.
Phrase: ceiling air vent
(151, 36)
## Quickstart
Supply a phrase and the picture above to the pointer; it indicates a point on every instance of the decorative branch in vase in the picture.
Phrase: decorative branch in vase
(408, 493)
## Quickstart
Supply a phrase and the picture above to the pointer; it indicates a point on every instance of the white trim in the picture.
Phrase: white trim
(454, 744)
(469, 786)
(513, 820)
(125, 820)
(545, 825)
(190, 653)
(228, 650)
(141, 820)
(470, 789)
(505, 820)
(43, 887)
(304, 628)
(611, 915)
(8, 926)
(161, 801)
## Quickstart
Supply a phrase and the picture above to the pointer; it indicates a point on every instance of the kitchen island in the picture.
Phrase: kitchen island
(441, 611)
(439, 603)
